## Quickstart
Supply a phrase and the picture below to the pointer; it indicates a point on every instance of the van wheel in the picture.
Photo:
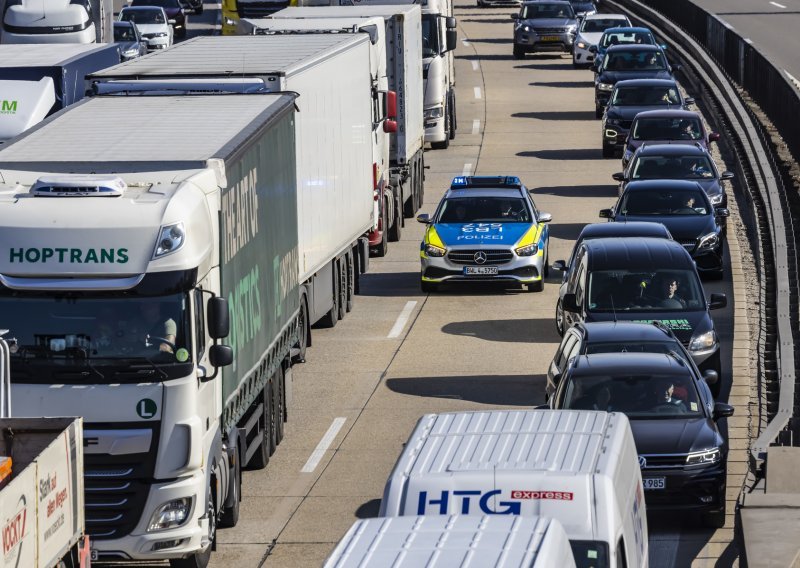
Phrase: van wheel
(537, 286)
(716, 520)
(546, 263)
(199, 10)
(608, 151)
(260, 458)
(201, 558)
(598, 111)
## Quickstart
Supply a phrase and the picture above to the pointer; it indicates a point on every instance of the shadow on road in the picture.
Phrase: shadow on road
(567, 231)
(609, 191)
(492, 40)
(547, 66)
(562, 84)
(495, 390)
(486, 57)
(388, 284)
(506, 331)
(557, 115)
(563, 154)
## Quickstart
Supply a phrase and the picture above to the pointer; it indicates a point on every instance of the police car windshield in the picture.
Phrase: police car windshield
(626, 37)
(672, 167)
(639, 291)
(664, 203)
(667, 129)
(484, 210)
(646, 96)
(646, 395)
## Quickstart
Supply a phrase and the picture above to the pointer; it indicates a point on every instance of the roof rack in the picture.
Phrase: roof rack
(469, 182)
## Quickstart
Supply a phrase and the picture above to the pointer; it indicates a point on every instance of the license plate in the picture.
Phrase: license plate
(480, 270)
(550, 38)
(653, 483)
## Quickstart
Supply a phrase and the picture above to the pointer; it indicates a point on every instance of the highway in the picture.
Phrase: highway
(401, 354)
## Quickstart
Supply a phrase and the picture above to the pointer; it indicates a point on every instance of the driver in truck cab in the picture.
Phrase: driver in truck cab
(158, 328)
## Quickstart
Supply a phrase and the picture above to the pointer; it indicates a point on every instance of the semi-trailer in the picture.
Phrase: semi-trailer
(123, 267)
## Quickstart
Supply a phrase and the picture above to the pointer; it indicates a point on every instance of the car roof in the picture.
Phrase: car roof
(140, 8)
(647, 83)
(625, 331)
(634, 47)
(672, 150)
(629, 363)
(626, 29)
(123, 24)
(672, 113)
(644, 253)
(665, 184)
(527, 2)
(602, 16)
(632, 229)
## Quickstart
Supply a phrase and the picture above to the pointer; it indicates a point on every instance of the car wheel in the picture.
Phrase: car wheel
(598, 111)
(519, 53)
(537, 286)
(428, 287)
(559, 318)
(608, 151)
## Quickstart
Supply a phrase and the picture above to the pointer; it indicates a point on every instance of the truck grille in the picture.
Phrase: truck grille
(467, 256)
(260, 9)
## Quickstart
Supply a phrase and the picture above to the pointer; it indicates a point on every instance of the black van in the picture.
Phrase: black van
(644, 279)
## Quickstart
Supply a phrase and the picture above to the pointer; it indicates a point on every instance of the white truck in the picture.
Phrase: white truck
(337, 123)
(450, 541)
(400, 40)
(579, 467)
(439, 38)
(41, 502)
(123, 265)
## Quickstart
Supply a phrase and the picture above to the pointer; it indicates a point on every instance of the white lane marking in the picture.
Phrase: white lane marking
(324, 444)
(402, 320)
(477, 92)
(465, 42)
(467, 170)
(476, 126)
(474, 65)
(778, 5)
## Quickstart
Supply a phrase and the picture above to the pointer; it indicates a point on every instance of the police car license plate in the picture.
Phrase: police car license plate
(651, 483)
(480, 270)
(550, 38)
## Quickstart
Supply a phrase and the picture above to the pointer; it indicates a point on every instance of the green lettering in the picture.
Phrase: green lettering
(122, 256)
(46, 253)
(91, 256)
(9, 106)
(75, 255)
(61, 252)
(32, 255)
(107, 255)
(16, 254)
(257, 287)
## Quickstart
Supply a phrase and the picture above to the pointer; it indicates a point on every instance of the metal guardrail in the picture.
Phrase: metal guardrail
(720, 56)
(5, 377)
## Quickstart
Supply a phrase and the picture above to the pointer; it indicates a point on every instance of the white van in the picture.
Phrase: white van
(450, 541)
(577, 466)
(48, 21)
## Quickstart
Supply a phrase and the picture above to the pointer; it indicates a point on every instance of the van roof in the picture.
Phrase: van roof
(640, 253)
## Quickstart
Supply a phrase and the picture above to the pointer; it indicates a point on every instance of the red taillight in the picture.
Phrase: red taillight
(391, 104)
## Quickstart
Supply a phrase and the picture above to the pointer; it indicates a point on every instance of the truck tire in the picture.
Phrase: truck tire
(383, 246)
(280, 405)
(396, 230)
(260, 458)
(330, 318)
(446, 144)
(274, 418)
(453, 117)
(201, 558)
(230, 515)
(421, 179)
(342, 262)
(299, 350)
(351, 280)
(409, 206)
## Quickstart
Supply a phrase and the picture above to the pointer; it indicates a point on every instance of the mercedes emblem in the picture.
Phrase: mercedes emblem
(480, 257)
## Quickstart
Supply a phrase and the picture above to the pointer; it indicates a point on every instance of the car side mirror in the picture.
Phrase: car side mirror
(560, 265)
(545, 217)
(727, 175)
(711, 376)
(424, 218)
(619, 176)
(218, 316)
(592, 49)
(515, 16)
(606, 213)
(722, 212)
(713, 137)
(570, 304)
(717, 301)
(722, 410)
(688, 101)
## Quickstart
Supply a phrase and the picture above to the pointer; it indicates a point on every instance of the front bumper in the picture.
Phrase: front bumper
(706, 360)
(532, 41)
(696, 489)
(601, 97)
(189, 537)
(522, 269)
(157, 43)
(582, 56)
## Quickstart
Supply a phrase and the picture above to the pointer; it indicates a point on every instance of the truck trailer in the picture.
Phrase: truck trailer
(123, 267)
(39, 79)
(340, 116)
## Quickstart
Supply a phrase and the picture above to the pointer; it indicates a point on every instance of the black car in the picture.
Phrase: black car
(666, 126)
(682, 454)
(602, 231)
(628, 99)
(174, 11)
(684, 209)
(621, 62)
(618, 337)
(130, 42)
(644, 279)
(677, 161)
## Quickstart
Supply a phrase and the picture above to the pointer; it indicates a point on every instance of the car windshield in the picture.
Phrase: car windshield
(639, 396)
(637, 346)
(629, 290)
(484, 210)
(664, 203)
(615, 38)
(598, 25)
(143, 16)
(645, 96)
(667, 129)
(634, 61)
(124, 33)
(159, 3)
(430, 35)
(672, 167)
(542, 10)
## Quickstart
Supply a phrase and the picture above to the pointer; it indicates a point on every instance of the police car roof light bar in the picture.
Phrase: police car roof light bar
(464, 182)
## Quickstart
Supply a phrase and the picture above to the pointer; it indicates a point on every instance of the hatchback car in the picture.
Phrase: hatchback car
(486, 228)
(153, 24)
(589, 33)
(644, 279)
(682, 207)
(621, 36)
(543, 25)
(682, 453)
(623, 62)
(131, 44)
(618, 337)
(174, 11)
(677, 161)
(654, 126)
(631, 97)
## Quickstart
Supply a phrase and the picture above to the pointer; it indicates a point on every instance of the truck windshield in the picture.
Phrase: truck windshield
(430, 35)
(66, 333)
(589, 553)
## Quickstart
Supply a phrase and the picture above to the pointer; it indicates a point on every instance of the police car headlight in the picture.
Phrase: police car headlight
(716, 199)
(604, 86)
(433, 250)
(703, 342)
(708, 241)
(527, 250)
(705, 457)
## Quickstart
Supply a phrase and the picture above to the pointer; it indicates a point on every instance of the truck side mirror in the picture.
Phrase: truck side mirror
(220, 355)
(450, 23)
(570, 304)
(218, 317)
(451, 36)
(391, 104)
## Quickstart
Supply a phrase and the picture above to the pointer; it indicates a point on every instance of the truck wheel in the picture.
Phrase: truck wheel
(421, 180)
(280, 405)
(396, 230)
(453, 117)
(383, 246)
(230, 515)
(260, 458)
(409, 206)
(273, 414)
(299, 351)
(201, 558)
(330, 318)
(519, 53)
(342, 287)
(446, 144)
(351, 280)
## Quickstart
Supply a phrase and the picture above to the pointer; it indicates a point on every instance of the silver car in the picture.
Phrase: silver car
(544, 25)
(589, 33)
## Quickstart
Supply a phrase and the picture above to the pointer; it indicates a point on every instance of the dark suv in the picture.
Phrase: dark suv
(664, 127)
(682, 454)
(544, 25)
